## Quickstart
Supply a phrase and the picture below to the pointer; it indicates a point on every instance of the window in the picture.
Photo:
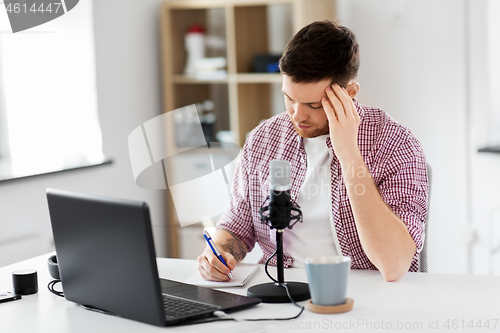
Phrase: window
(48, 97)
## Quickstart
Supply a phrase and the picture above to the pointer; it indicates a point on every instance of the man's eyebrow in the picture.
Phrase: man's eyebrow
(284, 93)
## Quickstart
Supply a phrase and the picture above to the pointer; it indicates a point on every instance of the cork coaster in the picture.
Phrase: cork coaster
(347, 306)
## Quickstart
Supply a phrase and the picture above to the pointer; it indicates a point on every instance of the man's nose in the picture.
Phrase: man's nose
(300, 113)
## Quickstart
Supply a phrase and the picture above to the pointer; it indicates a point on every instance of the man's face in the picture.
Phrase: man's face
(303, 104)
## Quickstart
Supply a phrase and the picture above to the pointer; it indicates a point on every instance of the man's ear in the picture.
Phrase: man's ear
(352, 88)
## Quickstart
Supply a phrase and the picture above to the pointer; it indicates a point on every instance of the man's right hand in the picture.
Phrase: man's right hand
(212, 269)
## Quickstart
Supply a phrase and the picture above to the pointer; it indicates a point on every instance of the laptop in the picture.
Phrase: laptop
(107, 262)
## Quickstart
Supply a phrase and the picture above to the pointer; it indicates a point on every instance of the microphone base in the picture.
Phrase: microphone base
(274, 293)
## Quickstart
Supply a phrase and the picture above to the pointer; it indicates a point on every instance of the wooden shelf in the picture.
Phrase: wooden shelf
(185, 79)
(257, 78)
(231, 78)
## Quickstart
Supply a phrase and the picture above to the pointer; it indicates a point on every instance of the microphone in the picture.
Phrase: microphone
(279, 194)
(280, 211)
(279, 214)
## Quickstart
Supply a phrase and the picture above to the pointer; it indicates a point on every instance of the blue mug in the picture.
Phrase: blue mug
(327, 277)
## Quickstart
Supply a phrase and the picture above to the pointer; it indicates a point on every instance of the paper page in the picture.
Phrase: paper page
(241, 275)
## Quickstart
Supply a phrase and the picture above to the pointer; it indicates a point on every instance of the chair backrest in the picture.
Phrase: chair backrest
(422, 261)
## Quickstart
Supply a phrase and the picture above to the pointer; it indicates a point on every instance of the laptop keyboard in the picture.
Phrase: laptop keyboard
(180, 307)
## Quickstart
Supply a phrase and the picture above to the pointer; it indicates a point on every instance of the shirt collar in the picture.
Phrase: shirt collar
(360, 110)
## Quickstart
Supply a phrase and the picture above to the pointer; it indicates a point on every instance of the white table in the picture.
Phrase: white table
(418, 302)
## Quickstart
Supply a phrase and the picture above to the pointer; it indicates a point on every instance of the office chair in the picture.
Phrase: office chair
(422, 260)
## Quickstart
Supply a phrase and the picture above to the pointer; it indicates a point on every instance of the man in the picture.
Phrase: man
(358, 176)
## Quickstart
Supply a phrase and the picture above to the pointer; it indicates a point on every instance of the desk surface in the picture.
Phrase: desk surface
(418, 302)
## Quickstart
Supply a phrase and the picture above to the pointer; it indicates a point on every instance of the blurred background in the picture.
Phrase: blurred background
(73, 89)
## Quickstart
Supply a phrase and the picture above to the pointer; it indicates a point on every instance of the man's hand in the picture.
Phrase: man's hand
(212, 269)
(231, 248)
(343, 120)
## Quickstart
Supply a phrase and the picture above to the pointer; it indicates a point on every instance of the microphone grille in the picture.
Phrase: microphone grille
(279, 171)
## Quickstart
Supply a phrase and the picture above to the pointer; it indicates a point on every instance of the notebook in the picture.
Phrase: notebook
(242, 274)
(107, 262)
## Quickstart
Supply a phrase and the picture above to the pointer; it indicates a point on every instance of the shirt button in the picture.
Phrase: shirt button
(301, 160)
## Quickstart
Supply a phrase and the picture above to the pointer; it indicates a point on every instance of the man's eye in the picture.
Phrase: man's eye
(315, 107)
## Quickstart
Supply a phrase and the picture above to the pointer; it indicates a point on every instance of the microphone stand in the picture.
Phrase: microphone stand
(275, 292)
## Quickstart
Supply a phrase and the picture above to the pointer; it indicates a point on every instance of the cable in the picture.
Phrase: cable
(267, 263)
(291, 299)
(223, 315)
(51, 288)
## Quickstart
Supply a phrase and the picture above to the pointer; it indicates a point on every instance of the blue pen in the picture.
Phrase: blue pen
(215, 250)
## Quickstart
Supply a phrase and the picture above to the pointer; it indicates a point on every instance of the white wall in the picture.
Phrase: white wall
(128, 83)
(418, 64)
(485, 130)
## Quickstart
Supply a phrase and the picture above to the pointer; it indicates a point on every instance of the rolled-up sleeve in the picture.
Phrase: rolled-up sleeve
(405, 187)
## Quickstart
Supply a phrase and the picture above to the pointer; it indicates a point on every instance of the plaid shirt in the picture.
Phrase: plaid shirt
(390, 151)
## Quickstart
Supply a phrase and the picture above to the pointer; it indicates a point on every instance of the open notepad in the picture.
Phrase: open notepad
(241, 275)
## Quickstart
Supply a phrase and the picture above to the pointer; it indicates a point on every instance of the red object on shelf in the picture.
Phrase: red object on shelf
(196, 28)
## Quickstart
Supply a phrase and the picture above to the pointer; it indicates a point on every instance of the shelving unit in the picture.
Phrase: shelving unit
(243, 98)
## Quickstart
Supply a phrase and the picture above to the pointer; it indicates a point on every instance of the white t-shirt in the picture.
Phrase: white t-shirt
(316, 235)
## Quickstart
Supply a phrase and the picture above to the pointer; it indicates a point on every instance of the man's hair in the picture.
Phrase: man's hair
(321, 50)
